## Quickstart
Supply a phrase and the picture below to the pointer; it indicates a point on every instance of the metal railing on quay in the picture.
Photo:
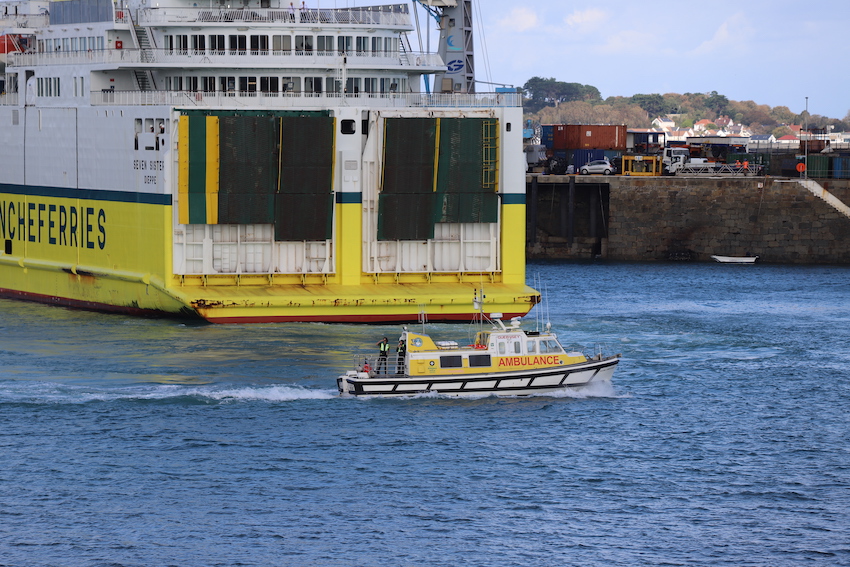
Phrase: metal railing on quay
(255, 99)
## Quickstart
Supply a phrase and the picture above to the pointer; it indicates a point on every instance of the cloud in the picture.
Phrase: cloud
(730, 35)
(586, 19)
(520, 19)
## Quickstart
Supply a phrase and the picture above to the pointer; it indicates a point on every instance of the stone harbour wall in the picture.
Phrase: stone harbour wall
(674, 218)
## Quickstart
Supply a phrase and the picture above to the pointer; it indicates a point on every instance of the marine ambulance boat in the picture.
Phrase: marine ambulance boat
(504, 361)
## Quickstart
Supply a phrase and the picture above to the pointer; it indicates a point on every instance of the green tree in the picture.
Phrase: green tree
(653, 104)
(717, 102)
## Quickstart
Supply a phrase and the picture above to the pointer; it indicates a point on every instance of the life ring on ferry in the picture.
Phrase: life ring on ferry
(119, 44)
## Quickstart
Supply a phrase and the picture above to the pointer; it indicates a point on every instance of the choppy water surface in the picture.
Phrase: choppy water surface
(723, 441)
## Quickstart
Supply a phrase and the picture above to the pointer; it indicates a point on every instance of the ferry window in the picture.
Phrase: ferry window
(227, 84)
(303, 43)
(259, 45)
(313, 84)
(531, 346)
(100, 43)
(362, 43)
(347, 127)
(91, 43)
(269, 84)
(208, 84)
(182, 42)
(40, 89)
(84, 43)
(343, 44)
(376, 44)
(199, 43)
(502, 348)
(352, 85)
(291, 84)
(138, 125)
(74, 44)
(479, 360)
(248, 84)
(66, 44)
(390, 44)
(451, 361)
(148, 124)
(48, 45)
(160, 125)
(192, 84)
(282, 43)
(370, 85)
(217, 44)
(325, 44)
(332, 85)
(238, 44)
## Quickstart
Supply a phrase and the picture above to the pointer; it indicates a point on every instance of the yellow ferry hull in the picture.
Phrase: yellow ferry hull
(114, 255)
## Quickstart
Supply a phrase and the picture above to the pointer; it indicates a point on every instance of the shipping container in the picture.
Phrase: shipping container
(547, 136)
(581, 157)
(841, 167)
(818, 166)
(599, 137)
(559, 136)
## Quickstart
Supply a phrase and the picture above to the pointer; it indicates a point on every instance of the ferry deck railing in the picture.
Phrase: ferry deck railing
(393, 16)
(261, 58)
(301, 99)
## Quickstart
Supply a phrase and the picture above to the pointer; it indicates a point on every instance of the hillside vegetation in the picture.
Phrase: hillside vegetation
(549, 101)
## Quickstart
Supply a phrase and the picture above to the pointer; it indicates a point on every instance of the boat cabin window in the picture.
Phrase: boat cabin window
(502, 348)
(479, 360)
(343, 44)
(549, 346)
(238, 44)
(451, 361)
(531, 346)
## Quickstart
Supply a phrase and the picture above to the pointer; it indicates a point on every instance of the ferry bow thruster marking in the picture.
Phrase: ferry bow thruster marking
(248, 163)
(505, 361)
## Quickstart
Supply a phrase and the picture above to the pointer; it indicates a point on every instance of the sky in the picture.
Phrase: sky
(774, 52)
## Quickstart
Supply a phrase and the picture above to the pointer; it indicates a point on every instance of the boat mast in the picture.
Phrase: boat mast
(454, 18)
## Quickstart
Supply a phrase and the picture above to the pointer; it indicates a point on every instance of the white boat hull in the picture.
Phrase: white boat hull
(735, 259)
(519, 383)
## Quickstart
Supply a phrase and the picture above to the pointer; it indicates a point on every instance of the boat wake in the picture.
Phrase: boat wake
(42, 393)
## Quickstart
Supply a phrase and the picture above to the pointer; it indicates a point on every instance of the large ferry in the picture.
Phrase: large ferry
(256, 161)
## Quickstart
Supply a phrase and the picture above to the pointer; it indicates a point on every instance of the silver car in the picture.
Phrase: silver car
(602, 166)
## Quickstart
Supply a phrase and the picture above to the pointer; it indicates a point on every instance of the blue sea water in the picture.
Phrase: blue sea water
(723, 440)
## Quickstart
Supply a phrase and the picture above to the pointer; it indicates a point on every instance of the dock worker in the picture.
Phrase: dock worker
(383, 351)
(401, 350)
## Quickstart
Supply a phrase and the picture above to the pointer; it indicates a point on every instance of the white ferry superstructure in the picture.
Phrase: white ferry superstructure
(251, 161)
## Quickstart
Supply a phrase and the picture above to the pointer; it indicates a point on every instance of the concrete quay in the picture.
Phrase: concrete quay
(688, 218)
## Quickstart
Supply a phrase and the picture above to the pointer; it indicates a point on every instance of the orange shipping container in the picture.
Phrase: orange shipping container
(595, 137)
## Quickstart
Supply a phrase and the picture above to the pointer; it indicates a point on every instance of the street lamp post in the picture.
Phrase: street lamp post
(806, 129)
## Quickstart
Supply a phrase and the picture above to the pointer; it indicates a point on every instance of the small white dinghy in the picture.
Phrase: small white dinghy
(735, 259)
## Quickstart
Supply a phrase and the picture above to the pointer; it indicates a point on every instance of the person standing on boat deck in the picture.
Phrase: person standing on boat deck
(291, 12)
(401, 349)
(384, 349)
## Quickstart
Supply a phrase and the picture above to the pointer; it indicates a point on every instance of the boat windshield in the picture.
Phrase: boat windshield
(547, 346)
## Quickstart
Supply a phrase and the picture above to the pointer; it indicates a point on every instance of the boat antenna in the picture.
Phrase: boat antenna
(548, 319)
(423, 316)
